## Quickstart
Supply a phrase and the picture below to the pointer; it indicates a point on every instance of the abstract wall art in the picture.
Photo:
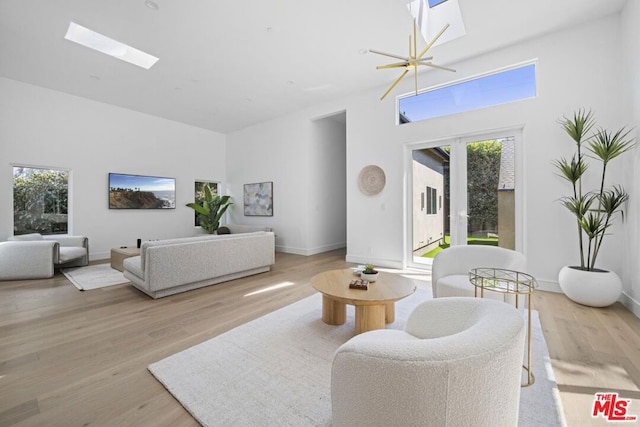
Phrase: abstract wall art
(258, 199)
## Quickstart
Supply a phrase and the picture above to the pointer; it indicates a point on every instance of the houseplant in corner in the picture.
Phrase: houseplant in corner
(594, 209)
(211, 209)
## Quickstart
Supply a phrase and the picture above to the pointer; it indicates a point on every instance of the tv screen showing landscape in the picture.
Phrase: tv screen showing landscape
(141, 192)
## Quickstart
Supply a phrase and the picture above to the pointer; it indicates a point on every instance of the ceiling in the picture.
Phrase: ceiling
(227, 64)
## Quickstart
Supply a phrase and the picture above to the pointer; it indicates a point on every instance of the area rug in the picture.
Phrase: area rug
(276, 370)
(94, 276)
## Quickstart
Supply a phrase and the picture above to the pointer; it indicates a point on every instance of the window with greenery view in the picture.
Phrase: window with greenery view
(199, 195)
(40, 200)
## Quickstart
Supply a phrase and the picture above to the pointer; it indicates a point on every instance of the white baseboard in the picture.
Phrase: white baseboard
(549, 286)
(95, 256)
(626, 300)
(311, 251)
(378, 262)
(631, 304)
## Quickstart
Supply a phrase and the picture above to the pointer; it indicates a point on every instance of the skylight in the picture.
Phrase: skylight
(88, 38)
(434, 3)
(432, 19)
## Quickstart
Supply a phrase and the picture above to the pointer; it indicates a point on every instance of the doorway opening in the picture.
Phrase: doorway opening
(464, 191)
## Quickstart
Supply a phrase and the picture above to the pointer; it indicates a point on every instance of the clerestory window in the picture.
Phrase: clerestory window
(514, 84)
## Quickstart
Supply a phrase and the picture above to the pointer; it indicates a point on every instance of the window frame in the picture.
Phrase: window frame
(432, 200)
(196, 220)
(401, 118)
(69, 208)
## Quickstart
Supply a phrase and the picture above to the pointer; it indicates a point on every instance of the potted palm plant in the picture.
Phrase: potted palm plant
(594, 210)
(211, 209)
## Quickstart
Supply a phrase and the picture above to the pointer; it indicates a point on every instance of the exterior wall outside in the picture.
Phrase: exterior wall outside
(506, 196)
(428, 230)
(506, 219)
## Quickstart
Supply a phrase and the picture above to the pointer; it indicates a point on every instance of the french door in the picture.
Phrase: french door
(464, 191)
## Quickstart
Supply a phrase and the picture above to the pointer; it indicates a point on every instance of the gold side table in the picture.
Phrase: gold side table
(508, 282)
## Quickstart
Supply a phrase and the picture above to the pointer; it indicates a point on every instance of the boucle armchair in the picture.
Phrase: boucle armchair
(457, 363)
(34, 256)
(450, 269)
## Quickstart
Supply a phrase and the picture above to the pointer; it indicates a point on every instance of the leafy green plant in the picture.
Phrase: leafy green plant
(594, 209)
(211, 209)
(369, 269)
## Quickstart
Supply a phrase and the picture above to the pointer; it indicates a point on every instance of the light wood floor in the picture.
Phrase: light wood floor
(71, 358)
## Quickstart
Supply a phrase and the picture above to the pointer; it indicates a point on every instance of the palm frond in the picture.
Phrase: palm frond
(607, 145)
(612, 200)
(580, 205)
(572, 170)
(579, 126)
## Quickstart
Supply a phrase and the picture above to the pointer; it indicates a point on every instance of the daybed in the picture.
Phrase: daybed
(167, 267)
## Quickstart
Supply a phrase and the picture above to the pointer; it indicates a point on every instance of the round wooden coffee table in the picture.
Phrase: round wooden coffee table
(374, 307)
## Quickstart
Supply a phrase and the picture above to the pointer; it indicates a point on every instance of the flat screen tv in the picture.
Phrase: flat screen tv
(141, 192)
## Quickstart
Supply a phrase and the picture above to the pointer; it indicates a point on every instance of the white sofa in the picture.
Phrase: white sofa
(167, 267)
(457, 363)
(34, 256)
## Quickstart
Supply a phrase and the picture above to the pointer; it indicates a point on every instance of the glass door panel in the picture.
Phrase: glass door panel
(490, 207)
(431, 188)
(463, 193)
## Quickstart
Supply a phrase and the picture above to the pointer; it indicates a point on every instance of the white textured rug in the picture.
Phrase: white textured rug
(94, 276)
(276, 370)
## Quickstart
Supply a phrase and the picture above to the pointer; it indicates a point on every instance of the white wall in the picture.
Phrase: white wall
(564, 84)
(285, 151)
(631, 64)
(275, 151)
(375, 225)
(41, 127)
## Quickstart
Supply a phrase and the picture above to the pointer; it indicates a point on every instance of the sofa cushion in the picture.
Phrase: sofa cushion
(134, 265)
(69, 253)
(181, 240)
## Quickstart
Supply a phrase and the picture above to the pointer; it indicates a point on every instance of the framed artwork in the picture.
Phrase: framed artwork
(258, 199)
(141, 192)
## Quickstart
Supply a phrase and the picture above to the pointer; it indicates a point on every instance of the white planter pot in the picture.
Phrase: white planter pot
(593, 288)
(370, 277)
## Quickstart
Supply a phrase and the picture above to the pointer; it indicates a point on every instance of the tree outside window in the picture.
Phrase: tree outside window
(40, 200)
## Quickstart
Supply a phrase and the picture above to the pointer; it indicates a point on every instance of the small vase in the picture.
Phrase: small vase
(370, 277)
(599, 288)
